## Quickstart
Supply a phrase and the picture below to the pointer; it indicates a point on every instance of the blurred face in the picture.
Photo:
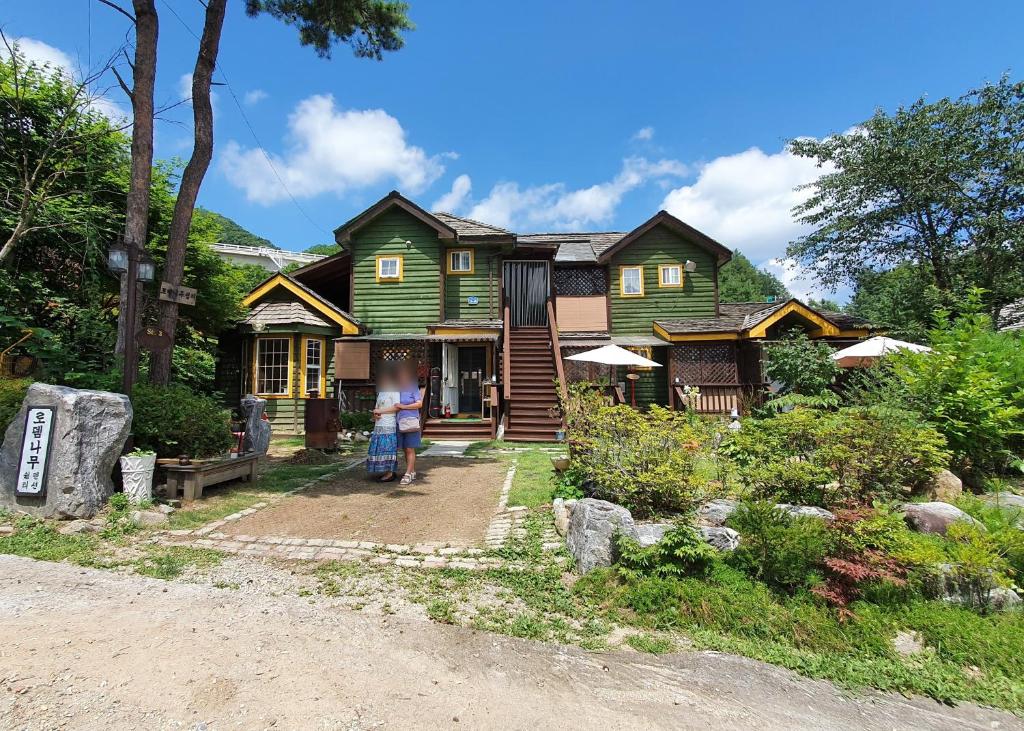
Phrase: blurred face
(406, 373)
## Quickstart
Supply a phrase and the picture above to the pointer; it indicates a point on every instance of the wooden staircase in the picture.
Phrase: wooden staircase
(533, 395)
(457, 430)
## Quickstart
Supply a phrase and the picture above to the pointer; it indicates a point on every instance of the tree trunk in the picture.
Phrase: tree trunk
(191, 179)
(136, 220)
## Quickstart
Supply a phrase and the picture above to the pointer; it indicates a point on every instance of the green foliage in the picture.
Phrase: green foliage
(680, 552)
(802, 365)
(652, 645)
(852, 456)
(900, 299)
(935, 182)
(172, 420)
(643, 461)
(359, 421)
(783, 551)
(39, 539)
(12, 393)
(170, 562)
(740, 281)
(323, 249)
(229, 232)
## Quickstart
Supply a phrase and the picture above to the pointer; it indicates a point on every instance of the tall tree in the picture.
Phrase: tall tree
(936, 185)
(741, 281)
(370, 27)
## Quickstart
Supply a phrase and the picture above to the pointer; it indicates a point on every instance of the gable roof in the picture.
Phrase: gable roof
(574, 247)
(394, 199)
(468, 228)
(752, 319)
(285, 313)
(663, 218)
(349, 324)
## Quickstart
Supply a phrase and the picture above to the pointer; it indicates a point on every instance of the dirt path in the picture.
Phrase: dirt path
(452, 501)
(89, 649)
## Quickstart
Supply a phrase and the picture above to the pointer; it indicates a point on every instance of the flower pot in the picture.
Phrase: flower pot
(137, 476)
(560, 463)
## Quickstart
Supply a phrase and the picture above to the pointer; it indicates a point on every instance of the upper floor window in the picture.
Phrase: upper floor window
(631, 281)
(390, 268)
(670, 275)
(460, 261)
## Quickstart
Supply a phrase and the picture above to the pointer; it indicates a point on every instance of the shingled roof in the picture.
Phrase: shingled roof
(737, 317)
(467, 227)
(284, 313)
(574, 247)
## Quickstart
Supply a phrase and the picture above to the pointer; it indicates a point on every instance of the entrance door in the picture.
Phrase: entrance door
(472, 362)
(526, 292)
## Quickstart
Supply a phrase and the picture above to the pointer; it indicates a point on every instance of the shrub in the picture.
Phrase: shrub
(802, 365)
(12, 393)
(680, 552)
(852, 456)
(171, 420)
(359, 421)
(644, 461)
(783, 551)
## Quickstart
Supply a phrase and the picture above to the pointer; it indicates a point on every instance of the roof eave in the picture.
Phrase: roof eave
(343, 233)
(664, 218)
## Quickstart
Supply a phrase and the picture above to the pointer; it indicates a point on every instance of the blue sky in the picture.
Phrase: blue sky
(547, 115)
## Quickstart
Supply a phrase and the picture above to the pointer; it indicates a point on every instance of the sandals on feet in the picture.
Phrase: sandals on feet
(407, 478)
(392, 478)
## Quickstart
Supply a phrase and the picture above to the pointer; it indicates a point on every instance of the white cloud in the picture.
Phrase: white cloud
(745, 200)
(644, 133)
(254, 96)
(332, 150)
(553, 205)
(44, 54)
(456, 197)
(802, 283)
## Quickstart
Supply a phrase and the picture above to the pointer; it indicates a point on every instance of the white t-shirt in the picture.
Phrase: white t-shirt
(385, 400)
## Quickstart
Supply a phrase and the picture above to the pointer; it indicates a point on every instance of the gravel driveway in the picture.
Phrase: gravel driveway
(90, 649)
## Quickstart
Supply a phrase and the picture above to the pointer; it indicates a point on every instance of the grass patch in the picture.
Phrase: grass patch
(651, 644)
(292, 441)
(441, 610)
(533, 483)
(39, 539)
(170, 562)
(219, 501)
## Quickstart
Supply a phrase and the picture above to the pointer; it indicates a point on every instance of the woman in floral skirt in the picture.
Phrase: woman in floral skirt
(382, 457)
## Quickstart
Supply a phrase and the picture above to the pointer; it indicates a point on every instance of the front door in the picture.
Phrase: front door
(527, 287)
(472, 362)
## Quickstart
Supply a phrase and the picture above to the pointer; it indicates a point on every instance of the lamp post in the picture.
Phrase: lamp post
(132, 262)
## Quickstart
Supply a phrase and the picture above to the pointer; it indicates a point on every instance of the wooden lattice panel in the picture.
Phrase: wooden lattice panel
(704, 363)
(577, 371)
(397, 351)
(580, 281)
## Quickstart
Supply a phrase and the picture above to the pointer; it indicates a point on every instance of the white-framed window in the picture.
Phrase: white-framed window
(389, 268)
(313, 365)
(460, 261)
(273, 366)
(670, 275)
(631, 281)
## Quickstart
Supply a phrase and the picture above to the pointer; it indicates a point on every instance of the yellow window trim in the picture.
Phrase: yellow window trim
(661, 281)
(347, 326)
(622, 281)
(645, 351)
(323, 364)
(825, 328)
(692, 337)
(256, 362)
(401, 268)
(472, 261)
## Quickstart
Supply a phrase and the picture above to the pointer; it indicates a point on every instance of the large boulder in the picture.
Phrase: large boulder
(561, 509)
(89, 431)
(935, 517)
(592, 527)
(945, 487)
(257, 430)
(716, 512)
(1005, 501)
(806, 511)
(947, 584)
(650, 533)
(720, 538)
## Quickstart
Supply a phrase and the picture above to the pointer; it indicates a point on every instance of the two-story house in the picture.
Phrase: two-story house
(489, 315)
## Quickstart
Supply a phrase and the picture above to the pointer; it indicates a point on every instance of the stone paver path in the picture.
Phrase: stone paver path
(446, 449)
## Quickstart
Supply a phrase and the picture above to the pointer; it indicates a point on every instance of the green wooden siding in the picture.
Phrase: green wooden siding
(652, 386)
(634, 315)
(287, 415)
(397, 307)
(482, 283)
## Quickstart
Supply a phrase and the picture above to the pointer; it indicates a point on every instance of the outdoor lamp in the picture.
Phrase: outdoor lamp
(147, 268)
(117, 258)
(691, 266)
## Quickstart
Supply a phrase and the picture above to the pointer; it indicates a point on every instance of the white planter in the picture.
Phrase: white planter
(137, 475)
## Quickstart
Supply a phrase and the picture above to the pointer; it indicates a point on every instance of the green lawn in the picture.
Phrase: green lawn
(534, 480)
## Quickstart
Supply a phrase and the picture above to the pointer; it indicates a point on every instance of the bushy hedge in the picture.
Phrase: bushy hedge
(12, 393)
(172, 420)
(852, 456)
(643, 461)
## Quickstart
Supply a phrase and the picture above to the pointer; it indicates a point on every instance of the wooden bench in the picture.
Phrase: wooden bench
(192, 478)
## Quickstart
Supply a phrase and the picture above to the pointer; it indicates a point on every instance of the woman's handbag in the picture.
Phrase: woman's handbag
(408, 424)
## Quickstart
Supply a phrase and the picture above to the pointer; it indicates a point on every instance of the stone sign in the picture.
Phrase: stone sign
(89, 429)
(35, 452)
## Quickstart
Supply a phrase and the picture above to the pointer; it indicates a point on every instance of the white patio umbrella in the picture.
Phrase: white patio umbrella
(613, 355)
(868, 351)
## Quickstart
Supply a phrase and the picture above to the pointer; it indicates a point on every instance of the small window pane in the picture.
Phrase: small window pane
(272, 358)
(631, 283)
(461, 261)
(314, 365)
(389, 268)
(671, 275)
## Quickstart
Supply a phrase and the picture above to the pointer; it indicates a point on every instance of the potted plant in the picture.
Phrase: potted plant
(137, 475)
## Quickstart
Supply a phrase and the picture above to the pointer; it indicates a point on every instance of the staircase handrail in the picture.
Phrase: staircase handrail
(556, 350)
(506, 355)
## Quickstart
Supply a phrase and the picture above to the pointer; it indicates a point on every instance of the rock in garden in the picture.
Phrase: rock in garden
(944, 487)
(165, 509)
(76, 527)
(717, 512)
(89, 431)
(1005, 500)
(720, 538)
(148, 518)
(592, 527)
(650, 533)
(561, 513)
(257, 430)
(935, 517)
(806, 511)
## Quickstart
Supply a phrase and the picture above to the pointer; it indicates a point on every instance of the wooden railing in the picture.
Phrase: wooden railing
(494, 411)
(506, 359)
(557, 350)
(713, 399)
(618, 396)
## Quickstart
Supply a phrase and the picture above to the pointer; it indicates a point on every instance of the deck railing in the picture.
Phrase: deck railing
(556, 350)
(506, 360)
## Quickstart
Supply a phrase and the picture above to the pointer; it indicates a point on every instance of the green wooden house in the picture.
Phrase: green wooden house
(488, 316)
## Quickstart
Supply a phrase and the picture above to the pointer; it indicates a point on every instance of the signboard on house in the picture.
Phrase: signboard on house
(35, 452)
(179, 294)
